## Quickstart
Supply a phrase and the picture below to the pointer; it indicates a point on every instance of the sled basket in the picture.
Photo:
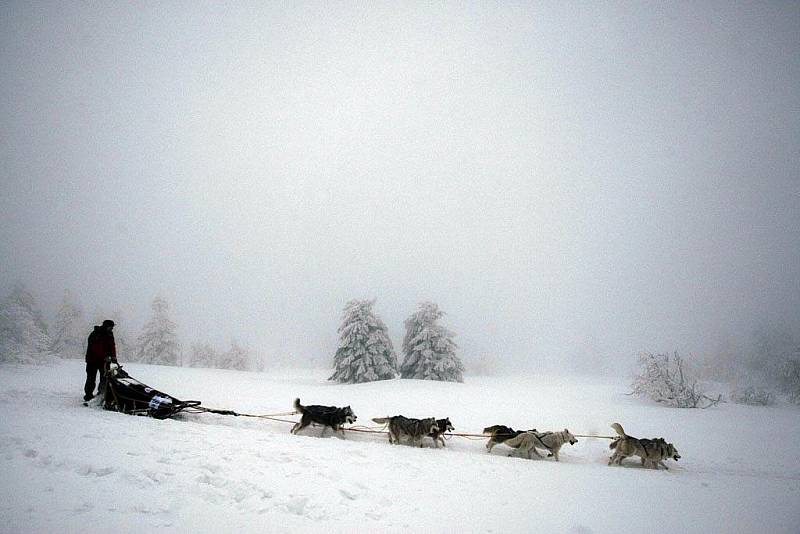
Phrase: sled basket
(126, 394)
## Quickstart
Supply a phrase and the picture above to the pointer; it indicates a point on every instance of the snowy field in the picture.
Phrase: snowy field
(67, 468)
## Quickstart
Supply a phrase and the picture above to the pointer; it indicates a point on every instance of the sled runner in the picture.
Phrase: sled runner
(125, 394)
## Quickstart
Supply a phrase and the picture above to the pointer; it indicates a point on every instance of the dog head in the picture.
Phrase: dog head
(666, 450)
(349, 415)
(445, 425)
(672, 452)
(569, 437)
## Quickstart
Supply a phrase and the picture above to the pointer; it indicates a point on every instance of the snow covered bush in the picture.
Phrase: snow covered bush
(158, 342)
(667, 379)
(428, 348)
(365, 352)
(753, 396)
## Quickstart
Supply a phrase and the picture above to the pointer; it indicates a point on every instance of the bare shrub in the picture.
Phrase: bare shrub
(666, 379)
(753, 396)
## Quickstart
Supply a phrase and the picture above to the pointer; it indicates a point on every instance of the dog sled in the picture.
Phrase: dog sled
(125, 394)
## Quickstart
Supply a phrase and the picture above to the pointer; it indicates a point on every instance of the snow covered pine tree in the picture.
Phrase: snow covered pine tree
(23, 334)
(69, 329)
(428, 349)
(158, 342)
(237, 357)
(365, 352)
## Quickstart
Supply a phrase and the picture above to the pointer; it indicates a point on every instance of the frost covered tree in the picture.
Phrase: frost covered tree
(236, 357)
(429, 352)
(23, 336)
(667, 379)
(790, 377)
(158, 342)
(365, 352)
(69, 331)
(202, 355)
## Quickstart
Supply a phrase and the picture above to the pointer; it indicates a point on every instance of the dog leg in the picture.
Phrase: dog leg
(299, 426)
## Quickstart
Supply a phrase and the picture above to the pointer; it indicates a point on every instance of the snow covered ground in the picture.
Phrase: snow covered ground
(66, 468)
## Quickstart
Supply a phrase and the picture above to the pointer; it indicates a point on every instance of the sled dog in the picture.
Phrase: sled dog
(501, 434)
(653, 452)
(411, 429)
(327, 416)
(444, 425)
(528, 442)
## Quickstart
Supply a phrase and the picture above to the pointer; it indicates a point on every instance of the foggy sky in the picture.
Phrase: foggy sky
(563, 180)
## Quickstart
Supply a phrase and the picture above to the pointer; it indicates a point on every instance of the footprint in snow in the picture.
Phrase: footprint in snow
(348, 495)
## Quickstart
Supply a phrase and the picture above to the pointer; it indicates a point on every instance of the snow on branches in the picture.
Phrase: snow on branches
(365, 352)
(666, 379)
(428, 348)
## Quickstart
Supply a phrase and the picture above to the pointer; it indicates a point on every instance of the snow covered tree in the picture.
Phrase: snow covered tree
(668, 380)
(69, 330)
(236, 357)
(23, 337)
(202, 355)
(158, 342)
(365, 352)
(790, 378)
(429, 352)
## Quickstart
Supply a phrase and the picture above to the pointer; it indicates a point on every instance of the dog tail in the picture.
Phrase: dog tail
(618, 428)
(381, 420)
(297, 406)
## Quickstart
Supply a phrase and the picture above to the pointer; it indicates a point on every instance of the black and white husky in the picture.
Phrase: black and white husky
(444, 425)
(327, 416)
(406, 427)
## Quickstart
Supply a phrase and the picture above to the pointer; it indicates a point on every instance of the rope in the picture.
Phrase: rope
(594, 436)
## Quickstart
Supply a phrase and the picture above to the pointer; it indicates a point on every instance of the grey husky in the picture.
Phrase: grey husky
(528, 442)
(411, 429)
(653, 452)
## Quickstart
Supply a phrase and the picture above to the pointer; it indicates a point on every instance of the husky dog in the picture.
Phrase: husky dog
(444, 426)
(501, 434)
(653, 452)
(528, 442)
(412, 429)
(327, 416)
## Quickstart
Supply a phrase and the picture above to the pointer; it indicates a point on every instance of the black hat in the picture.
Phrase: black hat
(108, 323)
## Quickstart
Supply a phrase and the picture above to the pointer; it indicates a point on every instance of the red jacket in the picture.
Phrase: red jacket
(101, 344)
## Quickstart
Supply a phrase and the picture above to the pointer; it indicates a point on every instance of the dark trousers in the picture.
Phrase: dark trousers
(91, 376)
